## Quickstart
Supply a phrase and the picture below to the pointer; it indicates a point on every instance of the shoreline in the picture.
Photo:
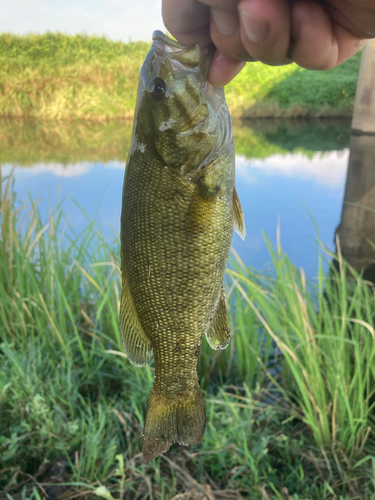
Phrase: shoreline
(33, 140)
(263, 110)
(273, 110)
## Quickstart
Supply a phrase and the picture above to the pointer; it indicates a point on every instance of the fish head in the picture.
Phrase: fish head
(179, 114)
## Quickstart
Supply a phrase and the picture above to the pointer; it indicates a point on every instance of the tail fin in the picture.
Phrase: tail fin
(171, 421)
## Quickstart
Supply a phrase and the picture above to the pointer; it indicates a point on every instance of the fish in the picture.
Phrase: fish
(179, 209)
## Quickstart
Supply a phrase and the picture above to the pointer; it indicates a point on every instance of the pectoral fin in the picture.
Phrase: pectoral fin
(136, 344)
(239, 221)
(218, 334)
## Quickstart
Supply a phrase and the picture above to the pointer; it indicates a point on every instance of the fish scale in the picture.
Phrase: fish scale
(176, 232)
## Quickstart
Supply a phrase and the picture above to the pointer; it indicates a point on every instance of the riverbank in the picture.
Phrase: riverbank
(289, 403)
(61, 77)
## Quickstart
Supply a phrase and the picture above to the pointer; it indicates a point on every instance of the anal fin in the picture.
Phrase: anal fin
(239, 221)
(136, 344)
(218, 333)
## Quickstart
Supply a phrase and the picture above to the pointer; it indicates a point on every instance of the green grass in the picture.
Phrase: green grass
(290, 91)
(290, 403)
(57, 76)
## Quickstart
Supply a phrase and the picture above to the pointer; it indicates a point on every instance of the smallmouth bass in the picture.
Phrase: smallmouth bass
(179, 209)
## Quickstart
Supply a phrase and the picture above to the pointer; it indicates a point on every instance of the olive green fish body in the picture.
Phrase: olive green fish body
(176, 230)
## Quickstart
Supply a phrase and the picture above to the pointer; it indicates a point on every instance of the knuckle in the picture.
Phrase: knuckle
(320, 64)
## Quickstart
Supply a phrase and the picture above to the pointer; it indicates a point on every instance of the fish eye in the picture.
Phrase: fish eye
(158, 90)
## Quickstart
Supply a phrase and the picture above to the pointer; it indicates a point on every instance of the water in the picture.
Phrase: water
(288, 173)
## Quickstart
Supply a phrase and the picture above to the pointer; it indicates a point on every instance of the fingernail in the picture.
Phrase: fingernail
(256, 28)
(225, 22)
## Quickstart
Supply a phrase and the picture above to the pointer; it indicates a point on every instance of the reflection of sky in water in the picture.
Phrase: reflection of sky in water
(276, 187)
(288, 187)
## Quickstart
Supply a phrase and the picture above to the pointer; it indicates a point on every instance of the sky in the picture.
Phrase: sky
(115, 19)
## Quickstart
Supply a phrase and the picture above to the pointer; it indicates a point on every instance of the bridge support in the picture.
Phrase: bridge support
(364, 106)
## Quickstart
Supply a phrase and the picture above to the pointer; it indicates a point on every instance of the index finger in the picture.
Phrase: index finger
(187, 20)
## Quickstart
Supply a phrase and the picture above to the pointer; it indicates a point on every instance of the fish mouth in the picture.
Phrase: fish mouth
(190, 56)
(160, 38)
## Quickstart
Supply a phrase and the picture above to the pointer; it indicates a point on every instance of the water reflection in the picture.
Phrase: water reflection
(283, 169)
(356, 230)
(262, 138)
(26, 143)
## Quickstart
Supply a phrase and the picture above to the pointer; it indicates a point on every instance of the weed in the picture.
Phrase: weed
(289, 404)
(65, 77)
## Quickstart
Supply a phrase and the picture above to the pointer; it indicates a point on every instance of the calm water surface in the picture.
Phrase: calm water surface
(287, 173)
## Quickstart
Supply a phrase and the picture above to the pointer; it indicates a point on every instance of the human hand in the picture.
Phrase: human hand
(316, 34)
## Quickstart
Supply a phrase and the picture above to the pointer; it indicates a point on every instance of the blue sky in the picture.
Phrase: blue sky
(116, 19)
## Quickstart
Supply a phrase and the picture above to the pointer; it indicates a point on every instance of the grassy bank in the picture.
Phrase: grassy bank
(290, 403)
(56, 76)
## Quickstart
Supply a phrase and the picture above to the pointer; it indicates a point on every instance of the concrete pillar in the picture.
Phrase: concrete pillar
(357, 226)
(364, 106)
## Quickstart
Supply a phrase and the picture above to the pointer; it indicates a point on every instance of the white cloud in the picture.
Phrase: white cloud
(136, 24)
(118, 20)
(60, 170)
(115, 165)
(328, 169)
